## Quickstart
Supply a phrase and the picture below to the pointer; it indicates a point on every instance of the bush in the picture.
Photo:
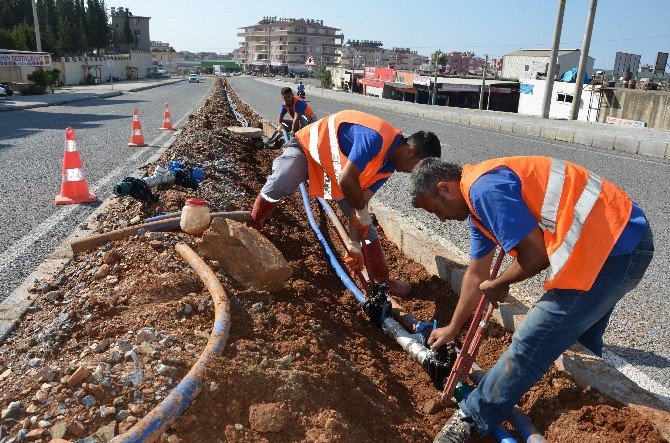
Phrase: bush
(44, 79)
(33, 89)
(323, 74)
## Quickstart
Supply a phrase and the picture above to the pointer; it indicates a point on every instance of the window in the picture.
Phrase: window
(116, 25)
(526, 68)
(564, 98)
(137, 21)
(136, 32)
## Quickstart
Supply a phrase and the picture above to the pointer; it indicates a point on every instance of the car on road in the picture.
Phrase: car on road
(3, 93)
(8, 91)
(194, 78)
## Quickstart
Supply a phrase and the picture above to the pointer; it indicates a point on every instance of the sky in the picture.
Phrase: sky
(494, 27)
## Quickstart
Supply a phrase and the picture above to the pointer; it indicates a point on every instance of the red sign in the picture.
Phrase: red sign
(381, 74)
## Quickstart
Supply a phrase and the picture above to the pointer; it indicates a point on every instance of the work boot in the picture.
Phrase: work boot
(261, 211)
(379, 270)
(457, 430)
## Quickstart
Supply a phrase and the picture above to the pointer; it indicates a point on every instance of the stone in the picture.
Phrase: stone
(213, 386)
(40, 396)
(11, 411)
(268, 417)
(134, 378)
(135, 408)
(132, 356)
(122, 415)
(145, 335)
(35, 362)
(88, 401)
(100, 346)
(45, 374)
(35, 434)
(31, 409)
(58, 430)
(135, 220)
(76, 428)
(173, 439)
(245, 255)
(44, 424)
(78, 375)
(246, 131)
(111, 257)
(102, 271)
(106, 433)
(188, 309)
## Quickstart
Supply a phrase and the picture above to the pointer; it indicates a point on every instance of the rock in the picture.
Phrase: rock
(122, 415)
(286, 360)
(45, 374)
(135, 220)
(107, 410)
(88, 401)
(53, 296)
(111, 257)
(58, 430)
(60, 440)
(78, 375)
(145, 335)
(35, 434)
(173, 439)
(76, 428)
(40, 396)
(44, 424)
(246, 255)
(134, 378)
(234, 410)
(6, 373)
(35, 362)
(135, 408)
(268, 417)
(11, 411)
(31, 409)
(106, 433)
(132, 356)
(188, 309)
(248, 131)
(213, 386)
(102, 271)
(100, 346)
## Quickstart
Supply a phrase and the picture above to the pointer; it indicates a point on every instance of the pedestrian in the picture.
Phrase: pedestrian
(549, 214)
(347, 157)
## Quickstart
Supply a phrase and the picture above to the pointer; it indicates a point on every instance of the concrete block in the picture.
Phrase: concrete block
(654, 148)
(602, 140)
(583, 138)
(245, 255)
(485, 121)
(626, 144)
(519, 128)
(548, 132)
(474, 120)
(506, 125)
(494, 123)
(465, 119)
(565, 135)
(533, 129)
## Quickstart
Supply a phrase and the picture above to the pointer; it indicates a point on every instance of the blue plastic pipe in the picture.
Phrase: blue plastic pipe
(499, 432)
(162, 217)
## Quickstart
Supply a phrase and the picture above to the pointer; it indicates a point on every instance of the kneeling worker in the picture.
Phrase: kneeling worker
(297, 108)
(347, 157)
(548, 213)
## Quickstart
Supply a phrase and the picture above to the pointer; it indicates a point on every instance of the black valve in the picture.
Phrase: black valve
(136, 188)
(438, 364)
(378, 306)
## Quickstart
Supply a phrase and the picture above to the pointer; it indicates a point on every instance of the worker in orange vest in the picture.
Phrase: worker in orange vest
(347, 157)
(297, 108)
(595, 243)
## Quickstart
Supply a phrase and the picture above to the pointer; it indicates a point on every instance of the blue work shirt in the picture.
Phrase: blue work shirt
(496, 198)
(361, 144)
(300, 106)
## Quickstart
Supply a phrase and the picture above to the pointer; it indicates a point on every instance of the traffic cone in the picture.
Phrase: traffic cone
(167, 123)
(136, 137)
(73, 188)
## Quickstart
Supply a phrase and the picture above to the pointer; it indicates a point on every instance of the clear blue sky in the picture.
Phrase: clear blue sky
(495, 27)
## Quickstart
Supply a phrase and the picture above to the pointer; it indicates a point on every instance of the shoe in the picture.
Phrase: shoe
(379, 270)
(457, 430)
(261, 211)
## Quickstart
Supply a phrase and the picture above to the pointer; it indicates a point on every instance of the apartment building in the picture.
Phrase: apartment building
(463, 63)
(406, 59)
(139, 26)
(360, 53)
(289, 44)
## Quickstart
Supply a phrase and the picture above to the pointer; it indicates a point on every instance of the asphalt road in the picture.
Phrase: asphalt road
(31, 158)
(638, 331)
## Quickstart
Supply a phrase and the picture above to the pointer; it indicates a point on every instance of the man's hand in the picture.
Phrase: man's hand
(494, 291)
(291, 134)
(362, 221)
(354, 258)
(441, 336)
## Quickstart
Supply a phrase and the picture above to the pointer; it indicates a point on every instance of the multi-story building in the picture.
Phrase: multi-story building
(164, 56)
(360, 53)
(139, 26)
(463, 63)
(531, 63)
(289, 44)
(406, 59)
(496, 65)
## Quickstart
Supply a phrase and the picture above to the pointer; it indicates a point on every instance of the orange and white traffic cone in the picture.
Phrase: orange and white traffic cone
(167, 123)
(136, 137)
(73, 188)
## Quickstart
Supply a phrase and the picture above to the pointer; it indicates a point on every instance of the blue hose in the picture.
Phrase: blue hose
(162, 217)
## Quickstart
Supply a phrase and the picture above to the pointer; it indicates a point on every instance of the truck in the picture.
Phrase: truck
(219, 70)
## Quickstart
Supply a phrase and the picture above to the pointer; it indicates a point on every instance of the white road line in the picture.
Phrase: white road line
(640, 378)
(22, 245)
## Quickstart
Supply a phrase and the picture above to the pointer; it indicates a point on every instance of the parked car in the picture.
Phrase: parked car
(194, 78)
(154, 75)
(8, 89)
(3, 93)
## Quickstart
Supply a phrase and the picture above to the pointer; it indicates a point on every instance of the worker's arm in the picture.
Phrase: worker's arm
(296, 121)
(531, 260)
(351, 187)
(478, 271)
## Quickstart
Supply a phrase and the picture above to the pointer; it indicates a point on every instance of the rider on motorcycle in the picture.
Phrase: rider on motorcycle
(301, 90)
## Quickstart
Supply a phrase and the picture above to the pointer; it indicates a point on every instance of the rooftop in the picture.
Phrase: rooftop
(540, 52)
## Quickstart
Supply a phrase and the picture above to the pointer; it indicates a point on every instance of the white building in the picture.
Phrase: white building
(528, 63)
(532, 93)
(361, 53)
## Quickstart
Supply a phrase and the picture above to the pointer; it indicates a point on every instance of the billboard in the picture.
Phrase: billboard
(24, 59)
(625, 62)
(661, 62)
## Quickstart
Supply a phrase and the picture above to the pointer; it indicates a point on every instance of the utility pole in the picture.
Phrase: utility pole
(549, 87)
(583, 57)
(269, 50)
(434, 100)
(38, 40)
(481, 94)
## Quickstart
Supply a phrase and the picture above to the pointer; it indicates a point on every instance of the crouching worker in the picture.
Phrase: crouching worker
(347, 157)
(549, 214)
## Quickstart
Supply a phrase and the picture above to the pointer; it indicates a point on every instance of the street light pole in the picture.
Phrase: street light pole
(548, 89)
(481, 94)
(583, 57)
(36, 21)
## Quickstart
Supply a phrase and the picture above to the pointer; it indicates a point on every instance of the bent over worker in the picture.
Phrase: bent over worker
(595, 243)
(297, 108)
(347, 157)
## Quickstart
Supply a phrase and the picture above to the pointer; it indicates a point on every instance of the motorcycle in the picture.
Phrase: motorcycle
(301, 93)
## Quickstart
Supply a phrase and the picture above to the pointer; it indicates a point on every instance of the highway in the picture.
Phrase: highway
(638, 331)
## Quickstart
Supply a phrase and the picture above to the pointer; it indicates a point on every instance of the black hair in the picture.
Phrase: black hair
(286, 90)
(426, 143)
(428, 173)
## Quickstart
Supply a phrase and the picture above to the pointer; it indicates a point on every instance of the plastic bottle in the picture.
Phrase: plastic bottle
(195, 216)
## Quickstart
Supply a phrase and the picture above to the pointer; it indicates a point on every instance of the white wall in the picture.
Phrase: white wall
(531, 104)
(514, 66)
(73, 73)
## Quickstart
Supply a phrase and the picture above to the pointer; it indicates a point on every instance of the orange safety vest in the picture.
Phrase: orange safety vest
(325, 160)
(580, 214)
(308, 112)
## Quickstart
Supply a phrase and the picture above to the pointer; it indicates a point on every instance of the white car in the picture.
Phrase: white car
(194, 78)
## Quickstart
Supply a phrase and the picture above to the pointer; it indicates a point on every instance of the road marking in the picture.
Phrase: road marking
(640, 378)
(22, 245)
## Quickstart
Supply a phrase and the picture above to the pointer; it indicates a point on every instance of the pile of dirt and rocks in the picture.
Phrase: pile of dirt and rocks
(108, 340)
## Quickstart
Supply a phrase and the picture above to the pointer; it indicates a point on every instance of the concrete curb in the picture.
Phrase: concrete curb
(630, 142)
(443, 259)
(76, 99)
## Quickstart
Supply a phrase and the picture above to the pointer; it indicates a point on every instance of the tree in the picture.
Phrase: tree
(128, 37)
(97, 27)
(437, 59)
(323, 74)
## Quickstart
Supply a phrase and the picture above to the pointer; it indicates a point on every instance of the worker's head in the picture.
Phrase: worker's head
(412, 150)
(287, 95)
(435, 186)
